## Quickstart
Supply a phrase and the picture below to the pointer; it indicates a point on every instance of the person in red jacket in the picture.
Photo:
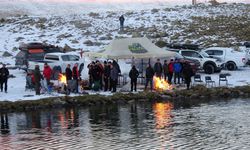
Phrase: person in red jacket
(170, 70)
(76, 77)
(47, 72)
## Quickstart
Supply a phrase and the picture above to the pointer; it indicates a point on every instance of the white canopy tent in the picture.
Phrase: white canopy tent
(127, 48)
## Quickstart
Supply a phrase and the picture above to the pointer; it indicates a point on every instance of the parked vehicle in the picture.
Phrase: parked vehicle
(233, 59)
(33, 51)
(209, 65)
(60, 60)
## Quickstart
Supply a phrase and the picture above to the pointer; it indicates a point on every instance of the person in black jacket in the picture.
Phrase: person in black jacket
(68, 72)
(106, 75)
(4, 74)
(187, 73)
(37, 77)
(121, 19)
(133, 74)
(158, 68)
(149, 77)
(165, 70)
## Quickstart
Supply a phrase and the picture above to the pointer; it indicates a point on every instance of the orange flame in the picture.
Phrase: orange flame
(62, 78)
(161, 84)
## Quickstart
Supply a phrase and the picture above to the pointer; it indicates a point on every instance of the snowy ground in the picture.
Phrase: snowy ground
(92, 31)
(16, 88)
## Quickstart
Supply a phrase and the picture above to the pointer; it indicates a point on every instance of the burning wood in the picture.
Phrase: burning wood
(161, 84)
(62, 79)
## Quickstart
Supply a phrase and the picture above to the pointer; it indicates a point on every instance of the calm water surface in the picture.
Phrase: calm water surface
(218, 125)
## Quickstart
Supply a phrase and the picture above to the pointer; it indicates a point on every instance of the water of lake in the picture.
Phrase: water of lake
(161, 125)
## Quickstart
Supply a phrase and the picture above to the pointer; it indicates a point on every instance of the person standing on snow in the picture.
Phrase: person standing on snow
(106, 76)
(68, 73)
(47, 73)
(4, 74)
(158, 68)
(187, 73)
(177, 71)
(133, 74)
(149, 77)
(121, 19)
(76, 76)
(114, 74)
(165, 69)
(37, 77)
(170, 71)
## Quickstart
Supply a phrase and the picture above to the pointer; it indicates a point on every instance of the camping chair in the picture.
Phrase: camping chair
(209, 81)
(223, 77)
(197, 79)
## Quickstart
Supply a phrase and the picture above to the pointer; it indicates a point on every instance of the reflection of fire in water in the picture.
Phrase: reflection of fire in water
(161, 84)
(162, 114)
(62, 79)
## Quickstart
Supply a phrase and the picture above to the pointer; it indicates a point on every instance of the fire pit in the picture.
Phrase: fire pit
(161, 85)
(62, 79)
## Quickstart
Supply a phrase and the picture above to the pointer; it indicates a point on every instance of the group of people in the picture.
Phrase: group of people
(47, 74)
(174, 68)
(103, 76)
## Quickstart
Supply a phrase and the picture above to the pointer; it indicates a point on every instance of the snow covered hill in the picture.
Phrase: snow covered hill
(203, 24)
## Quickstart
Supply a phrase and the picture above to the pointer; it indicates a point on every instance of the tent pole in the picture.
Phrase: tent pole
(142, 67)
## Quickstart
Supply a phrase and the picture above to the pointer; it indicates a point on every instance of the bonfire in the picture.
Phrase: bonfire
(161, 84)
(62, 79)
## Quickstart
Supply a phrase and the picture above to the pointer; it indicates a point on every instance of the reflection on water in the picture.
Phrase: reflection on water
(221, 125)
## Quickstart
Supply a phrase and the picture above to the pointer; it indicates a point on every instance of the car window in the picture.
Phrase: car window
(52, 57)
(70, 58)
(186, 53)
(73, 58)
(191, 54)
(214, 52)
(210, 52)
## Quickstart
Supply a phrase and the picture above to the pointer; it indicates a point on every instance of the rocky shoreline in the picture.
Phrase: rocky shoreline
(197, 95)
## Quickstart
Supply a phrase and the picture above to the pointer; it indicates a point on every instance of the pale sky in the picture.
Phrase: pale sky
(119, 1)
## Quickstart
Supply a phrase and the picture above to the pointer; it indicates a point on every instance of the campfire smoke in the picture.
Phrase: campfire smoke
(161, 84)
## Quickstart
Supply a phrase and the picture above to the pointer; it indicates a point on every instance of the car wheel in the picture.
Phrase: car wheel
(209, 69)
(231, 66)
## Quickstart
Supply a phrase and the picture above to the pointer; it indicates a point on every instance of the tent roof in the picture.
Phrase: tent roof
(132, 48)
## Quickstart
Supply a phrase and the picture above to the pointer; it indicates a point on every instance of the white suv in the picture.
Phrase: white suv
(210, 65)
(233, 59)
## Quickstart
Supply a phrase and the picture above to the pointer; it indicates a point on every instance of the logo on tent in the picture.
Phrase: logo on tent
(137, 48)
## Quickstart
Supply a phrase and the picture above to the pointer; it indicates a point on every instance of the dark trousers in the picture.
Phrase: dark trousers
(150, 81)
(133, 84)
(114, 83)
(5, 85)
(188, 81)
(178, 76)
(76, 86)
(110, 84)
(48, 81)
(121, 25)
(106, 83)
(101, 83)
(37, 88)
(165, 76)
(170, 76)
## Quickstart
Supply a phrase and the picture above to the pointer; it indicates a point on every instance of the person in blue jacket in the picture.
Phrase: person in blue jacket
(177, 71)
